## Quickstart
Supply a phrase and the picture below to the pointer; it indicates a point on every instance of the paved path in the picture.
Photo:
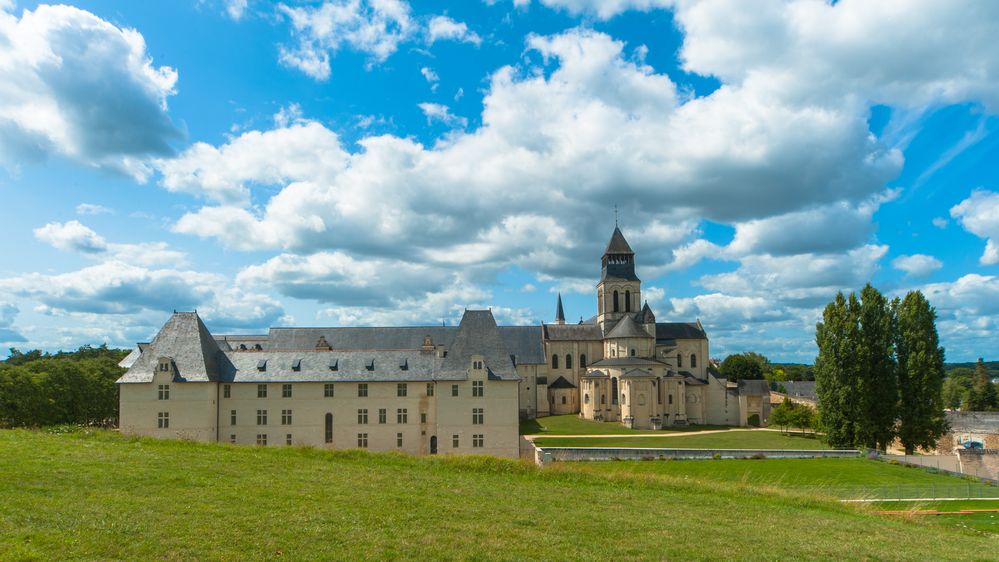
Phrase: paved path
(663, 434)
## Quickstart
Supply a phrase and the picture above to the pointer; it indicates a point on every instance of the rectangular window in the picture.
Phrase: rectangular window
(285, 391)
(382, 415)
(362, 390)
(232, 437)
(454, 441)
(328, 390)
(454, 390)
(477, 388)
(362, 416)
(261, 391)
(227, 391)
(163, 420)
(164, 392)
(430, 389)
(402, 415)
(401, 389)
(232, 417)
(261, 439)
(287, 439)
(398, 440)
(362, 440)
(423, 417)
(478, 440)
(285, 417)
(261, 417)
(478, 415)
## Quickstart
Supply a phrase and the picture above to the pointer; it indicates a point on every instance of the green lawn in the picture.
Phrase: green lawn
(939, 506)
(790, 473)
(572, 424)
(735, 439)
(102, 496)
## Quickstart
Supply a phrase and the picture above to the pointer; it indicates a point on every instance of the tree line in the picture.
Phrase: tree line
(880, 371)
(971, 389)
(76, 387)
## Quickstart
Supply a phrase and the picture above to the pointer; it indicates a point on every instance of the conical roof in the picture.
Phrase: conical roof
(559, 313)
(647, 316)
(617, 244)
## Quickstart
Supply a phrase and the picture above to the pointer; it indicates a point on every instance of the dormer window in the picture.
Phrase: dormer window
(262, 365)
(405, 365)
(370, 366)
(334, 364)
(257, 347)
(477, 365)
(296, 365)
(165, 365)
(242, 347)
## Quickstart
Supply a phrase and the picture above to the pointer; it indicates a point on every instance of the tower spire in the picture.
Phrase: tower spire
(615, 215)
(559, 313)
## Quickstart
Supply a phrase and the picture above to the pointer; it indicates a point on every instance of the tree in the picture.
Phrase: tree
(877, 395)
(781, 415)
(742, 366)
(837, 337)
(954, 393)
(982, 394)
(921, 418)
(803, 417)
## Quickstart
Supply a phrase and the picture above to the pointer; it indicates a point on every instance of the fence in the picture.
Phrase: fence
(548, 454)
(904, 492)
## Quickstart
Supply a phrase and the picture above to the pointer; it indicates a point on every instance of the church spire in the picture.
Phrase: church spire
(559, 313)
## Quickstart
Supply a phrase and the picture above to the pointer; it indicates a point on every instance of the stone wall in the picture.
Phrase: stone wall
(983, 463)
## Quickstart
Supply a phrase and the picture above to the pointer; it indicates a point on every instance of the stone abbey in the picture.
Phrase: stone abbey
(434, 389)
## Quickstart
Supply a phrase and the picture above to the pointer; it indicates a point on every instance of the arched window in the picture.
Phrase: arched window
(554, 361)
(693, 360)
(329, 428)
(582, 360)
(627, 301)
(614, 391)
(586, 399)
(563, 399)
(568, 361)
(603, 398)
(617, 306)
(671, 399)
(632, 352)
(679, 360)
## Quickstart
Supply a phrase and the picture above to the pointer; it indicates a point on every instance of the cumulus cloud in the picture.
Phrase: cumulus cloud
(979, 215)
(236, 8)
(917, 265)
(82, 88)
(76, 237)
(443, 28)
(72, 237)
(967, 311)
(442, 113)
(374, 27)
(7, 332)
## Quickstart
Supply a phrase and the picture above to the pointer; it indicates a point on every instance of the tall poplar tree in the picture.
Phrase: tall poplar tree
(982, 395)
(837, 337)
(877, 392)
(920, 358)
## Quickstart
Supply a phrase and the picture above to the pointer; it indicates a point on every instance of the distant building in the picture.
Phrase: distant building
(433, 389)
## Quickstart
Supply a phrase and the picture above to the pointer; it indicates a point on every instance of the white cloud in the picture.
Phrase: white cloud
(444, 28)
(917, 265)
(439, 112)
(235, 9)
(725, 312)
(979, 215)
(940, 222)
(968, 313)
(71, 237)
(375, 27)
(91, 209)
(82, 88)
(431, 77)
(8, 334)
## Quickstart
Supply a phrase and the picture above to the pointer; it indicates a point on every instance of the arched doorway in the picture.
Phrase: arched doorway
(433, 445)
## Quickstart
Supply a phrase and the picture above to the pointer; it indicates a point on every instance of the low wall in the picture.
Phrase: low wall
(563, 454)
(948, 463)
(983, 463)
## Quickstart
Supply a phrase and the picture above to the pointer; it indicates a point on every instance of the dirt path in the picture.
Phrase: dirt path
(640, 435)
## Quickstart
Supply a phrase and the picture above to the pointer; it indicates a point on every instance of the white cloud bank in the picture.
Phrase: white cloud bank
(979, 215)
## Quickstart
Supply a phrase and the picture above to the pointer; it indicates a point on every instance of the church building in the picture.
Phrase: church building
(434, 389)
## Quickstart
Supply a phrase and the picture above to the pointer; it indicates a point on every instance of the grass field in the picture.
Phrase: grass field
(102, 496)
(572, 424)
(846, 478)
(735, 439)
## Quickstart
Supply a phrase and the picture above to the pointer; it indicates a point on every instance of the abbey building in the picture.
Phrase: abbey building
(433, 389)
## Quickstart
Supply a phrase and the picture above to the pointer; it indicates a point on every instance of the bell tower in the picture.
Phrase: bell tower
(619, 291)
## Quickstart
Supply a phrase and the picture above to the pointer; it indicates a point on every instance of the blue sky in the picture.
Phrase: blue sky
(384, 162)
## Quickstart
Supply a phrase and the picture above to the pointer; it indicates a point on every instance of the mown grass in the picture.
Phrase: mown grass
(789, 473)
(102, 496)
(572, 424)
(734, 439)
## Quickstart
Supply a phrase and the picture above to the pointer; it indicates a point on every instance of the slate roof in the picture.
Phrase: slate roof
(561, 382)
(478, 335)
(626, 362)
(617, 244)
(317, 366)
(635, 373)
(626, 327)
(525, 343)
(572, 332)
(185, 339)
(559, 312)
(754, 387)
(800, 389)
(679, 331)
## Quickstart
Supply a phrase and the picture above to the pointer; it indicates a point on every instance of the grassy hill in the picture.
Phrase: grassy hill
(102, 496)
(731, 439)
